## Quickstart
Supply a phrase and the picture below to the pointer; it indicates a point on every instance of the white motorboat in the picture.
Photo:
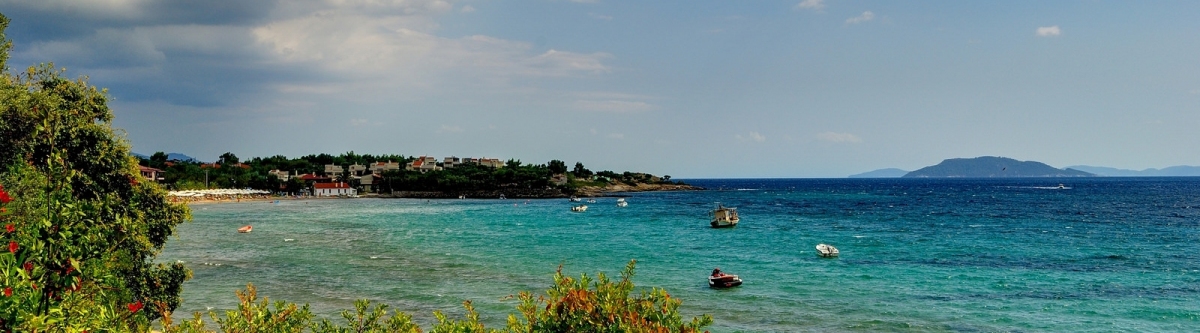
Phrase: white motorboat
(579, 208)
(826, 250)
(622, 203)
(724, 217)
(574, 199)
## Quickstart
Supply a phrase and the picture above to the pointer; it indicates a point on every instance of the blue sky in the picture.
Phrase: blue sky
(800, 88)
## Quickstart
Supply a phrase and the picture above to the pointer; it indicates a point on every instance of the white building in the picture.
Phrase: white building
(333, 189)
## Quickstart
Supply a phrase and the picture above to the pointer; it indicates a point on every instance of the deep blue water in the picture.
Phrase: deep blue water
(983, 255)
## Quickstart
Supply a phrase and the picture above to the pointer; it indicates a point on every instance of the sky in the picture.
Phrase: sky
(691, 89)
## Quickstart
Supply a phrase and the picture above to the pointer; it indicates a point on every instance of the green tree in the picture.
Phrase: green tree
(83, 227)
(229, 158)
(557, 167)
(580, 171)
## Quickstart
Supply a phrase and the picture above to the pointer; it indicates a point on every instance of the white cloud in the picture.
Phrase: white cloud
(600, 16)
(1050, 31)
(811, 4)
(838, 137)
(753, 136)
(467, 9)
(866, 16)
(615, 106)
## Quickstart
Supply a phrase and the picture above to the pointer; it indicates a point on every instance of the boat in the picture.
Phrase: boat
(722, 280)
(622, 203)
(245, 229)
(724, 217)
(579, 208)
(591, 200)
(620, 199)
(827, 251)
(575, 199)
(502, 197)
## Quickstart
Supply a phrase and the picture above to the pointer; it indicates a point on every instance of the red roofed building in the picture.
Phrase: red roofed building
(333, 189)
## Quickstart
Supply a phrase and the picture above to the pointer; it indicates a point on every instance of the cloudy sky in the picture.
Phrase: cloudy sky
(799, 88)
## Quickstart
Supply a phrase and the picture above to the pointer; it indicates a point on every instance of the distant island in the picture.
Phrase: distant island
(992, 167)
(881, 173)
(1175, 171)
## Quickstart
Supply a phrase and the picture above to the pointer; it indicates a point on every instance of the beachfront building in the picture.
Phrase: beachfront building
(366, 183)
(333, 189)
(151, 173)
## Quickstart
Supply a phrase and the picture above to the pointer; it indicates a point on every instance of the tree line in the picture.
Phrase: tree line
(231, 172)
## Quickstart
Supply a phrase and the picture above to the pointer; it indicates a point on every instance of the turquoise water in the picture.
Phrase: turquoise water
(1101, 255)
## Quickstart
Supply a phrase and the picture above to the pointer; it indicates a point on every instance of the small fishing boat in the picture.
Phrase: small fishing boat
(579, 208)
(724, 217)
(574, 199)
(827, 251)
(245, 229)
(721, 280)
(621, 202)
(591, 200)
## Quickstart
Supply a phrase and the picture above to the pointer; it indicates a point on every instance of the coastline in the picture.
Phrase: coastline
(584, 192)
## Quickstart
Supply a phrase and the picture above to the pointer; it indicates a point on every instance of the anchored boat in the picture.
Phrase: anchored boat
(827, 251)
(724, 217)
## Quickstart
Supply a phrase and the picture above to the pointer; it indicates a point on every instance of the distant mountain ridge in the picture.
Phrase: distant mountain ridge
(992, 167)
(1175, 171)
(882, 173)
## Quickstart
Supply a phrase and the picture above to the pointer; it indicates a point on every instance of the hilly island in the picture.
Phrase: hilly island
(992, 167)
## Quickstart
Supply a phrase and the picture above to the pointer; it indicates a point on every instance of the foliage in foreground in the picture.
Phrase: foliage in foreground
(571, 305)
(81, 227)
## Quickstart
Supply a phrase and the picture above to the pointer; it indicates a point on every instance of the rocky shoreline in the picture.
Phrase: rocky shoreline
(587, 191)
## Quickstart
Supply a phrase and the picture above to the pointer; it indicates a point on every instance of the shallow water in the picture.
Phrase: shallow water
(1103, 254)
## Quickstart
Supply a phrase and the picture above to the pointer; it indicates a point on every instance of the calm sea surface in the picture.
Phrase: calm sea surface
(1101, 255)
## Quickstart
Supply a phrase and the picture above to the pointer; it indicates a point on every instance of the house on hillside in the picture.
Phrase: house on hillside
(381, 167)
(450, 162)
(151, 173)
(333, 170)
(423, 164)
(282, 175)
(357, 169)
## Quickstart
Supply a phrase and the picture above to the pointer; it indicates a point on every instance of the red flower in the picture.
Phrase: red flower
(4, 198)
(29, 266)
(7, 291)
(10, 227)
(134, 307)
(12, 246)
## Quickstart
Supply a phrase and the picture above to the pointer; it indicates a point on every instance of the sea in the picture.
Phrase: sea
(916, 255)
